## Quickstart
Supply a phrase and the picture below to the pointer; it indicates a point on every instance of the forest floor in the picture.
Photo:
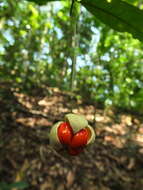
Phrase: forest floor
(113, 162)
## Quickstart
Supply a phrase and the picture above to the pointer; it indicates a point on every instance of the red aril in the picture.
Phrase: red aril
(65, 133)
(80, 138)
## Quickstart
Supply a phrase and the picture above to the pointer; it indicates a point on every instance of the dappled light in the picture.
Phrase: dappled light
(109, 1)
(71, 95)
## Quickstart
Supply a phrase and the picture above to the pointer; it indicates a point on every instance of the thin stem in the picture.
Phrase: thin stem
(71, 8)
(74, 21)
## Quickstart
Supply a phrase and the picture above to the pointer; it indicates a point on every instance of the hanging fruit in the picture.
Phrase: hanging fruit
(73, 134)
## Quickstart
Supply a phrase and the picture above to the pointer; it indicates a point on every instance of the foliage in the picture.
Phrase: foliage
(19, 185)
(118, 14)
(36, 51)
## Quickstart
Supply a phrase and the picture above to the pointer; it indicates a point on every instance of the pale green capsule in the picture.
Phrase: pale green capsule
(76, 121)
(92, 137)
(53, 136)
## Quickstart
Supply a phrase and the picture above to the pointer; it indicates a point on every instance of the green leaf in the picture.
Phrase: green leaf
(19, 185)
(118, 14)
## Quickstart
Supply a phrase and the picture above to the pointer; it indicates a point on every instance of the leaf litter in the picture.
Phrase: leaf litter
(114, 161)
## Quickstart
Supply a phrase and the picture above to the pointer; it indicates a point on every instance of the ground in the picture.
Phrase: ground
(113, 162)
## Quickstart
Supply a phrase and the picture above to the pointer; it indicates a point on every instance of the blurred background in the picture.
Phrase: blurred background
(39, 84)
(36, 51)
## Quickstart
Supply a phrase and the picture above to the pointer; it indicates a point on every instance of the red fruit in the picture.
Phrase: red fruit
(80, 138)
(65, 133)
(74, 151)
